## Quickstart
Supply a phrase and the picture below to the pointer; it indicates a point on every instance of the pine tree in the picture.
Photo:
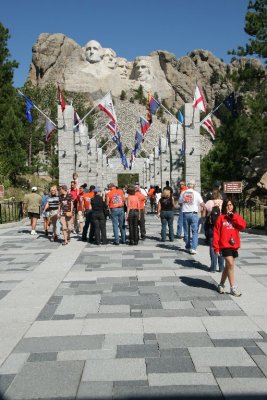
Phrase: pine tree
(256, 26)
(12, 155)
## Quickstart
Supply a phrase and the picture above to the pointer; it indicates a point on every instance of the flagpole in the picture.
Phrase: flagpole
(40, 111)
(209, 114)
(167, 111)
(89, 112)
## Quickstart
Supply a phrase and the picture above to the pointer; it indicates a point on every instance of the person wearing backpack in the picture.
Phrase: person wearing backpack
(115, 201)
(226, 239)
(213, 210)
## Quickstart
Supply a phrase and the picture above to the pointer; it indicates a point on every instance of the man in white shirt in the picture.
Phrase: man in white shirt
(191, 201)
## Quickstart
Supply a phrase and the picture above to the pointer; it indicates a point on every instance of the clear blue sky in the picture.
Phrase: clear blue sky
(131, 28)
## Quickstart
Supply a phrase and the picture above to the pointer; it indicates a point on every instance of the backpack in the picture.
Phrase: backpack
(215, 212)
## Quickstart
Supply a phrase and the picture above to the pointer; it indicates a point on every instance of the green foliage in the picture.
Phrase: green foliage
(127, 179)
(139, 95)
(12, 154)
(256, 26)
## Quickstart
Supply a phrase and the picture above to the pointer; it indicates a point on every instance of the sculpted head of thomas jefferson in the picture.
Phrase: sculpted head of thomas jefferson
(109, 58)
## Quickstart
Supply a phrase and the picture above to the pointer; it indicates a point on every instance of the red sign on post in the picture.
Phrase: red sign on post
(232, 187)
(2, 190)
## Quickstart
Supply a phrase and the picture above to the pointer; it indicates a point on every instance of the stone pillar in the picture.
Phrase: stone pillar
(81, 151)
(157, 166)
(177, 162)
(192, 145)
(66, 153)
(151, 170)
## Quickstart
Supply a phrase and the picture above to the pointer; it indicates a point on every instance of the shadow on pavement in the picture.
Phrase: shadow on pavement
(197, 282)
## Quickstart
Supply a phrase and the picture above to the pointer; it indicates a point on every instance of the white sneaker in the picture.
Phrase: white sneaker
(33, 232)
(220, 289)
(235, 292)
(192, 251)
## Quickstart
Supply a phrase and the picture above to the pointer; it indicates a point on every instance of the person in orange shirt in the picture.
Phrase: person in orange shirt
(88, 215)
(115, 202)
(152, 198)
(133, 215)
(142, 203)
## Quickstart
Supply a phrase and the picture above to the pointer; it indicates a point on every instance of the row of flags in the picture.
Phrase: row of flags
(200, 103)
(153, 104)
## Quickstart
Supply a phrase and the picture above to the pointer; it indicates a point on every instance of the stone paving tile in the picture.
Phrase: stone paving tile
(38, 357)
(114, 370)
(253, 350)
(249, 389)
(95, 391)
(5, 381)
(261, 362)
(245, 372)
(221, 372)
(186, 339)
(220, 357)
(55, 344)
(137, 351)
(182, 379)
(14, 363)
(172, 392)
(47, 380)
(177, 352)
(233, 342)
(169, 365)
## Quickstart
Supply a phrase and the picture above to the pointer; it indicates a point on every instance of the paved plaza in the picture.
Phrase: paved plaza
(118, 322)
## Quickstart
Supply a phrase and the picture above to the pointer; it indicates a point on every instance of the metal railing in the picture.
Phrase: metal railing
(10, 211)
(253, 215)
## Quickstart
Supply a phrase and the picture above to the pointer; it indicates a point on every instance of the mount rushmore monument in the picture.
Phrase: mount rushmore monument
(95, 70)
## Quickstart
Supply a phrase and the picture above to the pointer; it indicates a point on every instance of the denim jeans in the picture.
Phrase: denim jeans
(180, 223)
(214, 259)
(167, 219)
(118, 223)
(190, 222)
(88, 222)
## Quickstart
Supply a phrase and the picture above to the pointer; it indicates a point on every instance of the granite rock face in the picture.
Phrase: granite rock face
(95, 70)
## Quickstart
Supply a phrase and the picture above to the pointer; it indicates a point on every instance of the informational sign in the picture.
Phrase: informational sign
(2, 190)
(232, 187)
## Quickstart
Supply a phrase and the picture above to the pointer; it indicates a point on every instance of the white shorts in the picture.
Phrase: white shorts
(80, 217)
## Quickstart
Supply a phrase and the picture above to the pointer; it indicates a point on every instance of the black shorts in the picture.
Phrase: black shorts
(229, 252)
(33, 215)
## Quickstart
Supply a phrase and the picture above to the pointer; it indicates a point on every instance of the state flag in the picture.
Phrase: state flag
(199, 100)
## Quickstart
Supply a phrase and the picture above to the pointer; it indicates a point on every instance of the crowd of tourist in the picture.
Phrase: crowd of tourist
(79, 209)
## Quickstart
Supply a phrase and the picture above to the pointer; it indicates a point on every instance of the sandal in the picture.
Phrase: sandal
(65, 243)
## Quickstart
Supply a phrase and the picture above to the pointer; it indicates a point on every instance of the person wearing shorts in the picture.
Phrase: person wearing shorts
(31, 204)
(226, 241)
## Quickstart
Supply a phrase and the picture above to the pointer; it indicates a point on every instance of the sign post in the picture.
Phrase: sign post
(232, 187)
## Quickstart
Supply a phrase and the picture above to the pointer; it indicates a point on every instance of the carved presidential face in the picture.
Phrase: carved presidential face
(123, 67)
(141, 69)
(93, 51)
(109, 58)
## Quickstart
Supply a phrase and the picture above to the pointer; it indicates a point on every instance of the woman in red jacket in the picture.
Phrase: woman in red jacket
(226, 240)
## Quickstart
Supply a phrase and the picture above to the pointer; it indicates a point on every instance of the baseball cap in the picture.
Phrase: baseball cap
(191, 181)
(34, 189)
(64, 187)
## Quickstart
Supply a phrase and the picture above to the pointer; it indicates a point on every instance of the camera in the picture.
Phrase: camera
(230, 214)
(232, 241)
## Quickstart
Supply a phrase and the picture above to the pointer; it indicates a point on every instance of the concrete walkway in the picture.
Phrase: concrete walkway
(116, 322)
